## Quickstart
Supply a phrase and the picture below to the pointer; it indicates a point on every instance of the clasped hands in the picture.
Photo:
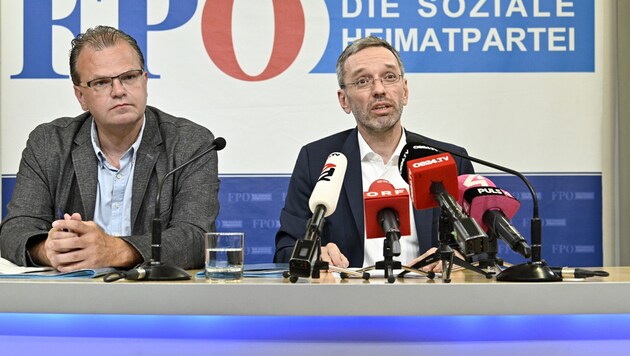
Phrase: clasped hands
(74, 244)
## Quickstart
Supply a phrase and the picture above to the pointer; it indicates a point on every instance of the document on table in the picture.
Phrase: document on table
(11, 270)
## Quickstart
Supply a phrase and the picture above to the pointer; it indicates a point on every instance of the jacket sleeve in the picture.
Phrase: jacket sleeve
(31, 210)
(295, 214)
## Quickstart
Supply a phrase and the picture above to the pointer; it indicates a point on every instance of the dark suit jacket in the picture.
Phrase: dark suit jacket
(58, 170)
(345, 227)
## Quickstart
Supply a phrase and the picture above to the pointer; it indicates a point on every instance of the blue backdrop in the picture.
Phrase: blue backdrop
(570, 209)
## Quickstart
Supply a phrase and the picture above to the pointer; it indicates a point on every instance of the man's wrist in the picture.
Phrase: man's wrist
(128, 255)
(36, 252)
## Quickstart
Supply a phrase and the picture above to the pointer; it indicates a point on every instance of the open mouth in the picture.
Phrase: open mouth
(381, 107)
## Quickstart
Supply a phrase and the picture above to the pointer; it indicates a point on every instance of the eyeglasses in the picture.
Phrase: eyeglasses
(127, 79)
(368, 82)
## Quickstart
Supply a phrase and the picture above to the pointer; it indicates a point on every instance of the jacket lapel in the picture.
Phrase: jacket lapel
(84, 160)
(146, 160)
(353, 183)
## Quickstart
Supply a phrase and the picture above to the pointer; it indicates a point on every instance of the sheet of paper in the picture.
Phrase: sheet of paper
(8, 267)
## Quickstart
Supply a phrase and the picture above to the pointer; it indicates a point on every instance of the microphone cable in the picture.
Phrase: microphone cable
(135, 274)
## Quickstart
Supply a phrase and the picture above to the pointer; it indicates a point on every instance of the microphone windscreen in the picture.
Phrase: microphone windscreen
(219, 143)
(382, 195)
(479, 194)
(424, 168)
(412, 151)
(328, 186)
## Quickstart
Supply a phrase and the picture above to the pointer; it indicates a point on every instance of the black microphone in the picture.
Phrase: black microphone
(388, 218)
(500, 225)
(537, 270)
(155, 269)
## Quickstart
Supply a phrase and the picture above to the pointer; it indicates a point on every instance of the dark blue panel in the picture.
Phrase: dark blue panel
(571, 213)
(470, 36)
(8, 183)
(570, 208)
(252, 205)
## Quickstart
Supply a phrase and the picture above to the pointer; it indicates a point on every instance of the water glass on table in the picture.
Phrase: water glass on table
(224, 255)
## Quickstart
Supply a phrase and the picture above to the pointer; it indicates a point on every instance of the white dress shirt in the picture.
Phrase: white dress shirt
(373, 168)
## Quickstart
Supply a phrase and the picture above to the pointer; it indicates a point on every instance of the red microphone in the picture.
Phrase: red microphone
(432, 178)
(423, 173)
(492, 207)
(381, 200)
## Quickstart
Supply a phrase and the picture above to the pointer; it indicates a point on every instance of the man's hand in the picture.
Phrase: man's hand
(332, 255)
(73, 244)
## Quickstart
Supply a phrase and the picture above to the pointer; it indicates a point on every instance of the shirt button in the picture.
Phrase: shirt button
(116, 205)
(119, 175)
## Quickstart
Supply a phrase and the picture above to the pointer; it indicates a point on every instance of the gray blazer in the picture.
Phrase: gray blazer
(58, 170)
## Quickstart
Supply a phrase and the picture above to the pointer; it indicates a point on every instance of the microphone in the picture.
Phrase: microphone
(537, 270)
(492, 208)
(428, 171)
(155, 269)
(386, 213)
(322, 203)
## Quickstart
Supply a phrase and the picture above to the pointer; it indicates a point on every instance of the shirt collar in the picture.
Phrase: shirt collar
(367, 154)
(96, 144)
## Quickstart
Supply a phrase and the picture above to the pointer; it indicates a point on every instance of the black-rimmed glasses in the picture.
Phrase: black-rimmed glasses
(368, 82)
(126, 79)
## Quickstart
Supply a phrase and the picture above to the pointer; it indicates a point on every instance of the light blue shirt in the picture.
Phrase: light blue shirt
(112, 212)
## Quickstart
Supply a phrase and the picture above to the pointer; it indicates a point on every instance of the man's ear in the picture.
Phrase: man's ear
(343, 101)
(79, 94)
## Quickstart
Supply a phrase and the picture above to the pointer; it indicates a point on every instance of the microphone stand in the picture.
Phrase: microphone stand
(155, 269)
(537, 269)
(391, 248)
(489, 260)
(445, 253)
(388, 264)
(300, 264)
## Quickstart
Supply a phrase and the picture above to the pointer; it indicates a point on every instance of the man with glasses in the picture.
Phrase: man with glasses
(373, 88)
(86, 189)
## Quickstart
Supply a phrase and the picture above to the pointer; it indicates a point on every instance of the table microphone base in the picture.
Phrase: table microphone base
(528, 272)
(158, 271)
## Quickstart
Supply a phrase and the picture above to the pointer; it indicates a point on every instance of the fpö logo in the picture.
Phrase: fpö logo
(216, 32)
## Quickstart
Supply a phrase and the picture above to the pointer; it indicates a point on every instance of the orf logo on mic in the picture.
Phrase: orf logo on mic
(383, 195)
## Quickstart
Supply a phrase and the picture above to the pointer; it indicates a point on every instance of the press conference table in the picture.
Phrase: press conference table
(273, 316)
(467, 294)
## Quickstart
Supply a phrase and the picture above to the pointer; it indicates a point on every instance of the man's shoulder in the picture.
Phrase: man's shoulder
(331, 143)
(173, 127)
(65, 122)
(171, 121)
(63, 128)
(413, 137)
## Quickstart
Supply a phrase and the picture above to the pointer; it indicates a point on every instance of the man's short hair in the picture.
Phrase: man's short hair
(99, 37)
(358, 45)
